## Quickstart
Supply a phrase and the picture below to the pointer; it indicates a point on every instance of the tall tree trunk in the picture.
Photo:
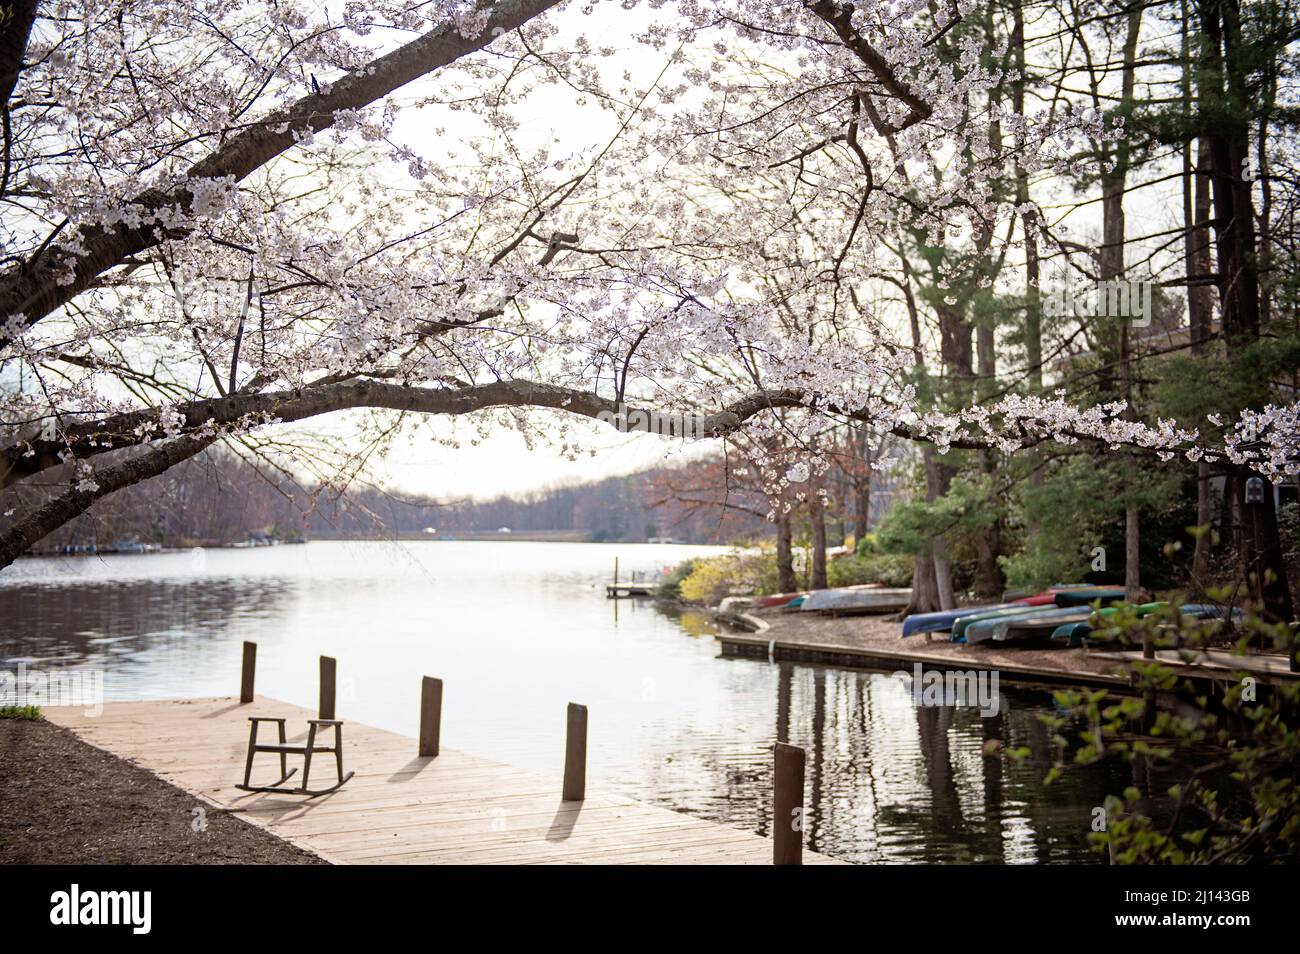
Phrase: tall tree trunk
(1028, 215)
(1201, 295)
(936, 485)
(786, 581)
(1111, 269)
(862, 508)
(925, 591)
(1033, 324)
(988, 545)
(1200, 319)
(931, 576)
(817, 509)
(1226, 100)
(861, 483)
(1200, 305)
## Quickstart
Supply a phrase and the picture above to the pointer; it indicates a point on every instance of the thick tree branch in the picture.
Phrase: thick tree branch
(839, 16)
(88, 439)
(16, 21)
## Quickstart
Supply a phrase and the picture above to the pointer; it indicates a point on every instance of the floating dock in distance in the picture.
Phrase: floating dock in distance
(621, 591)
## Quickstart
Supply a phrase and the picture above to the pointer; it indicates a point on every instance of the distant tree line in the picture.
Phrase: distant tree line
(221, 497)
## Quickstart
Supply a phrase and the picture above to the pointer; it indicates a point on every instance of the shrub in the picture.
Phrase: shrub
(867, 546)
(890, 569)
(670, 588)
(714, 578)
(20, 712)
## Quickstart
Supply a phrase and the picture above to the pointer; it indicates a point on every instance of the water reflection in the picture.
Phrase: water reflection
(904, 783)
(517, 631)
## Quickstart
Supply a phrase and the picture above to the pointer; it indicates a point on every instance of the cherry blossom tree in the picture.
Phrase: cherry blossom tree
(219, 219)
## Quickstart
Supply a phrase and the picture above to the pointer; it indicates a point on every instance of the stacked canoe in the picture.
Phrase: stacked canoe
(1062, 614)
(782, 600)
(844, 600)
(870, 598)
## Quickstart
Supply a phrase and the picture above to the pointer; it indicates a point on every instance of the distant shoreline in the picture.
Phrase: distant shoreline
(523, 536)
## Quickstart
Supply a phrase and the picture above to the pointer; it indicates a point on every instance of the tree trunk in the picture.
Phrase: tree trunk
(786, 581)
(862, 508)
(1110, 268)
(818, 510)
(1224, 75)
(925, 591)
(1200, 320)
(989, 582)
(1028, 215)
(1223, 95)
(1264, 552)
(1204, 520)
(1200, 306)
(936, 485)
(1132, 556)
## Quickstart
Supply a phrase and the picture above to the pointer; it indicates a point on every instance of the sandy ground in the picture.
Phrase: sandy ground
(882, 633)
(63, 801)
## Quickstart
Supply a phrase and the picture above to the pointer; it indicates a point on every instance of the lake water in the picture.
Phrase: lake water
(516, 630)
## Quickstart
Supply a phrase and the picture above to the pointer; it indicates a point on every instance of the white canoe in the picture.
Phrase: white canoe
(858, 599)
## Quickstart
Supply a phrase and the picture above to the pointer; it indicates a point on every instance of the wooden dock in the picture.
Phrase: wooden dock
(622, 591)
(402, 808)
(761, 646)
(1102, 669)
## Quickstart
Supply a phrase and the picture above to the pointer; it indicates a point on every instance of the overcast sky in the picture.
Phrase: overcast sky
(503, 465)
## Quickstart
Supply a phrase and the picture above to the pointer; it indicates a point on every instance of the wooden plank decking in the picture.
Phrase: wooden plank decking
(401, 808)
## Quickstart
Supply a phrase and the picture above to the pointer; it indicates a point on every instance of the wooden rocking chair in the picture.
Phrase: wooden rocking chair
(284, 749)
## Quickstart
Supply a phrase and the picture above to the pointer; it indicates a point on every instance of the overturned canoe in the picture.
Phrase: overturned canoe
(998, 627)
(941, 621)
(1075, 633)
(962, 623)
(1211, 611)
(1084, 596)
(1072, 634)
(777, 599)
(1046, 624)
(872, 598)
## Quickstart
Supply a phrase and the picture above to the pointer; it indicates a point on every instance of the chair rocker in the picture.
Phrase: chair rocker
(285, 749)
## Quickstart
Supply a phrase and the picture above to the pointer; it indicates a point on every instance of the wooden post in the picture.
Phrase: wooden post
(575, 754)
(250, 669)
(328, 669)
(787, 805)
(430, 715)
(616, 571)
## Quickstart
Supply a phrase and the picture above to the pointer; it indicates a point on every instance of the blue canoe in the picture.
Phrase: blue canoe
(941, 622)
